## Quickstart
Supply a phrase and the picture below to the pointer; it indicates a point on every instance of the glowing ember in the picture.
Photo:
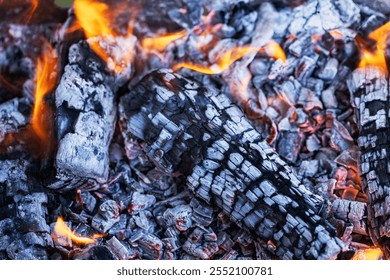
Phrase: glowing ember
(272, 49)
(95, 19)
(62, 230)
(160, 43)
(368, 254)
(45, 82)
(376, 57)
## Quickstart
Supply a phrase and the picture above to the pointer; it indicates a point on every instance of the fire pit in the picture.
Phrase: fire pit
(186, 129)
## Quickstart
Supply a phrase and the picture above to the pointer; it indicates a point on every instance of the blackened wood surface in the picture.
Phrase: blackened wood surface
(369, 88)
(196, 131)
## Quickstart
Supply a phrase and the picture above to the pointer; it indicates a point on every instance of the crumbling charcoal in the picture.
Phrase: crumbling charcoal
(85, 117)
(89, 201)
(197, 131)
(382, 6)
(354, 212)
(224, 241)
(308, 168)
(32, 211)
(121, 250)
(313, 143)
(201, 243)
(140, 202)
(13, 116)
(107, 216)
(145, 221)
(289, 144)
(318, 16)
(340, 140)
(330, 69)
(92, 252)
(150, 246)
(370, 95)
(13, 177)
(231, 255)
(328, 98)
(309, 100)
(180, 217)
(202, 213)
(170, 13)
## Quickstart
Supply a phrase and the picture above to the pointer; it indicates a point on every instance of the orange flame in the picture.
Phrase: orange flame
(32, 9)
(95, 19)
(368, 254)
(46, 80)
(377, 57)
(272, 49)
(160, 43)
(62, 230)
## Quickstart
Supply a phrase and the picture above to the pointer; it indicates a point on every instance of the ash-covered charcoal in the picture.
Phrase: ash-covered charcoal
(354, 212)
(201, 243)
(140, 202)
(170, 13)
(149, 245)
(85, 118)
(318, 16)
(13, 116)
(13, 179)
(20, 46)
(180, 217)
(107, 216)
(382, 6)
(370, 95)
(197, 131)
(121, 250)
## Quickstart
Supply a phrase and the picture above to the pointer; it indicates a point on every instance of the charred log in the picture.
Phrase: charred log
(85, 119)
(198, 132)
(369, 88)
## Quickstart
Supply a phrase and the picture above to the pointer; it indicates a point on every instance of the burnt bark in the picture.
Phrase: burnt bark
(369, 88)
(194, 130)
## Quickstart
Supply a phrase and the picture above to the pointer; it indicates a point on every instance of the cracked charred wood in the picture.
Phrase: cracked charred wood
(86, 115)
(194, 130)
(369, 88)
(354, 212)
(13, 116)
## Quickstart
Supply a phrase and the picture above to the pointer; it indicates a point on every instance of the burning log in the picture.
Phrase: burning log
(370, 93)
(193, 130)
(85, 119)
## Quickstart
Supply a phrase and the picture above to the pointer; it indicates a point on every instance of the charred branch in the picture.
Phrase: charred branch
(196, 131)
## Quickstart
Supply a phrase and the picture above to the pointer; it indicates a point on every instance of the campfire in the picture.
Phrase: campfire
(194, 130)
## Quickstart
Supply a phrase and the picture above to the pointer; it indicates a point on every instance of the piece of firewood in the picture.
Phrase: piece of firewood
(196, 131)
(86, 115)
(369, 88)
(354, 212)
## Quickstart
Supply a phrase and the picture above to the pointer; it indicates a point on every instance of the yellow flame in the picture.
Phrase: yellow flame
(160, 43)
(272, 49)
(376, 57)
(95, 18)
(62, 230)
(368, 254)
(46, 80)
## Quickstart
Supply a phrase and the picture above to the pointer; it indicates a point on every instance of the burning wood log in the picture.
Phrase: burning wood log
(195, 131)
(85, 119)
(369, 88)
